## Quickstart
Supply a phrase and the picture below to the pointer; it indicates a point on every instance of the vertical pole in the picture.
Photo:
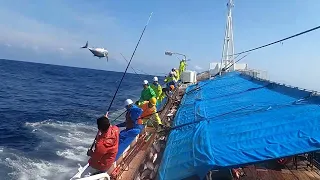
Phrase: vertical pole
(228, 47)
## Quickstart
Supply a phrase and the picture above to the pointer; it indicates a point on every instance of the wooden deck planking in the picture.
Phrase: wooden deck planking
(287, 175)
(133, 167)
(303, 173)
(250, 172)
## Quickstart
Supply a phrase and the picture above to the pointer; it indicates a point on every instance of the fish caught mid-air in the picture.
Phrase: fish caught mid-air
(98, 52)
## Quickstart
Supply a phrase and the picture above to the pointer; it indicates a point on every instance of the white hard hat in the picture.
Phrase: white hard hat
(128, 102)
(171, 72)
(155, 79)
(145, 82)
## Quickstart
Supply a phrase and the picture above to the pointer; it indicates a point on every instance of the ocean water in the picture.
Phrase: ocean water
(48, 115)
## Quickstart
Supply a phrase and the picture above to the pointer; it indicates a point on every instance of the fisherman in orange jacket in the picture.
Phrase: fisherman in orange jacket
(149, 109)
(106, 146)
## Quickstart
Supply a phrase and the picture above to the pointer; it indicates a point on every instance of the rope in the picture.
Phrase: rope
(294, 103)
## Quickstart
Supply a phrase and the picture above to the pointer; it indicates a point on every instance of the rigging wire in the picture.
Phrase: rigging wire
(281, 40)
(227, 66)
(275, 42)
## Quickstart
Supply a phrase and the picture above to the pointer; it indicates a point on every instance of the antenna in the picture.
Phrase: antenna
(228, 46)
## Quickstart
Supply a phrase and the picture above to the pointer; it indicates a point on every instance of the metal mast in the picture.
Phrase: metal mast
(228, 47)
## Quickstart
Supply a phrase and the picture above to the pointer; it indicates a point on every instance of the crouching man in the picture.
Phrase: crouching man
(133, 122)
(106, 146)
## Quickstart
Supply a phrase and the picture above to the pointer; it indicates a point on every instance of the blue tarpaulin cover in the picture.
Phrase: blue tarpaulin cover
(235, 120)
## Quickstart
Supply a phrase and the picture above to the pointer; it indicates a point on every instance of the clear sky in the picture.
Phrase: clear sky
(52, 31)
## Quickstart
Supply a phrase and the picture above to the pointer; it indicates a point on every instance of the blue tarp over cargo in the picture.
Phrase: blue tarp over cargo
(235, 120)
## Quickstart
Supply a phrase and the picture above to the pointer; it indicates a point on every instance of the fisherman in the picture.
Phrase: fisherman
(106, 146)
(149, 111)
(176, 73)
(166, 92)
(170, 80)
(182, 66)
(156, 88)
(147, 93)
(133, 123)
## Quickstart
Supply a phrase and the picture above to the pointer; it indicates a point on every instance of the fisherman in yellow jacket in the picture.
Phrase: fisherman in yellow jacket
(156, 88)
(182, 66)
(176, 73)
(170, 80)
(166, 92)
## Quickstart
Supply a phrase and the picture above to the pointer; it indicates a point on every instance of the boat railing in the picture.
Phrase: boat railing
(104, 176)
(256, 73)
(124, 159)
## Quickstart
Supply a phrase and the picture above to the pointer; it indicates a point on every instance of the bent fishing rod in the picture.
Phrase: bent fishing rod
(132, 67)
(115, 94)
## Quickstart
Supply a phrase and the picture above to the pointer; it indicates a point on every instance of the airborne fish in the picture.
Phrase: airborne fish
(98, 52)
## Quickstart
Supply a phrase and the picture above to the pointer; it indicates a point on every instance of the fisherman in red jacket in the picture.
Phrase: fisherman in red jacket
(106, 146)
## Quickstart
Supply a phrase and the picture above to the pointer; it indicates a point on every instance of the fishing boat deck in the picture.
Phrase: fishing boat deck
(132, 170)
(138, 158)
(303, 172)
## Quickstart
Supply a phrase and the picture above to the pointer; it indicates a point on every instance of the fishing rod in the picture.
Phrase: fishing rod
(119, 116)
(98, 131)
(131, 66)
(145, 27)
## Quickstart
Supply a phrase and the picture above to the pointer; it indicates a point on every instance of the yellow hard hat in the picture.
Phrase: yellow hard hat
(153, 101)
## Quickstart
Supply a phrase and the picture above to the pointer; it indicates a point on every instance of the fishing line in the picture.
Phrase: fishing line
(136, 69)
(131, 67)
(119, 116)
(129, 63)
(145, 27)
(143, 72)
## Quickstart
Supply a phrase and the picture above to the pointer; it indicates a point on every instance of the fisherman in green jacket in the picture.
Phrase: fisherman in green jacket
(156, 88)
(147, 93)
